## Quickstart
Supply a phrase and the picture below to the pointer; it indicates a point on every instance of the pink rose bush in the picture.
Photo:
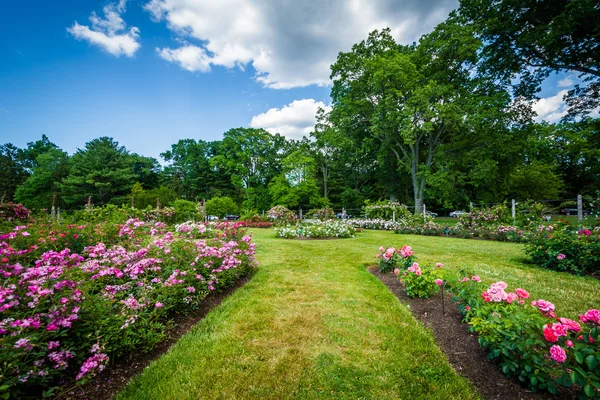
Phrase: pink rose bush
(65, 313)
(528, 339)
(390, 258)
(566, 248)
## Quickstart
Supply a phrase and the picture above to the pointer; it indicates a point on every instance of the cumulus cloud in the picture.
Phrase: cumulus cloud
(289, 44)
(109, 32)
(293, 121)
(552, 108)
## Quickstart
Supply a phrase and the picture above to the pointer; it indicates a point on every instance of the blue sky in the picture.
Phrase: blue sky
(189, 69)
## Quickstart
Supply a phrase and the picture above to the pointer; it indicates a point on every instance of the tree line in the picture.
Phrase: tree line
(446, 121)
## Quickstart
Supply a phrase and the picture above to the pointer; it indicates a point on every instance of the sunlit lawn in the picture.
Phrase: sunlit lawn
(313, 323)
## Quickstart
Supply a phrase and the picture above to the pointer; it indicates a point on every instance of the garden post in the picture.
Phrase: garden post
(513, 211)
(579, 208)
(470, 206)
(424, 213)
(394, 215)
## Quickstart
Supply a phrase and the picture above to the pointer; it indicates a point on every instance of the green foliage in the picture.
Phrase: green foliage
(386, 209)
(419, 282)
(564, 248)
(187, 211)
(101, 170)
(536, 181)
(221, 206)
(148, 198)
(352, 199)
(526, 40)
(322, 214)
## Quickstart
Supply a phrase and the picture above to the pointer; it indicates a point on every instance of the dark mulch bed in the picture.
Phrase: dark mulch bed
(114, 378)
(461, 347)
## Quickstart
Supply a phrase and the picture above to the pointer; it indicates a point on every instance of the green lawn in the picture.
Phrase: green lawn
(313, 323)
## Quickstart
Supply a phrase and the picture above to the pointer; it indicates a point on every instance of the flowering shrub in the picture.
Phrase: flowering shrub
(11, 212)
(565, 248)
(65, 314)
(257, 221)
(391, 258)
(418, 282)
(281, 215)
(379, 224)
(527, 338)
(491, 216)
(386, 210)
(322, 214)
(316, 230)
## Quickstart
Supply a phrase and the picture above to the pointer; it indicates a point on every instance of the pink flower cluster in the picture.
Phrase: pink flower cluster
(497, 293)
(415, 268)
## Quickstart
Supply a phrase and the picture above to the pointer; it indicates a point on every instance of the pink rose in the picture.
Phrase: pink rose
(476, 278)
(439, 282)
(396, 271)
(571, 325)
(561, 257)
(559, 329)
(549, 334)
(510, 297)
(439, 265)
(569, 343)
(592, 316)
(558, 354)
(522, 293)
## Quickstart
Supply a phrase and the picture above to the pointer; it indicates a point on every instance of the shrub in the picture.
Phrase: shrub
(379, 224)
(418, 282)
(564, 248)
(221, 206)
(386, 210)
(492, 216)
(391, 258)
(280, 215)
(316, 230)
(257, 221)
(322, 214)
(187, 210)
(67, 313)
(12, 212)
(528, 340)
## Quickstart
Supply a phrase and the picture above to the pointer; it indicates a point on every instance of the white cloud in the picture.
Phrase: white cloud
(289, 44)
(109, 33)
(565, 82)
(552, 108)
(293, 121)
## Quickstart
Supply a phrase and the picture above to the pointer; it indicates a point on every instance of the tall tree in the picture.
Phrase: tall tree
(14, 170)
(42, 188)
(530, 39)
(102, 170)
(410, 100)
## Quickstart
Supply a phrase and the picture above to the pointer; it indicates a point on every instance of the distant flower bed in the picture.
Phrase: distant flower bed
(64, 312)
(526, 338)
(379, 224)
(316, 230)
(257, 222)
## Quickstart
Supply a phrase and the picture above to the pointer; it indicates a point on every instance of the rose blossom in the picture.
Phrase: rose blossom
(591, 316)
(561, 256)
(571, 325)
(522, 293)
(549, 334)
(558, 354)
(439, 282)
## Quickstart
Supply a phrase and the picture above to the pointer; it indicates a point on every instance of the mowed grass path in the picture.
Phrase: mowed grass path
(313, 323)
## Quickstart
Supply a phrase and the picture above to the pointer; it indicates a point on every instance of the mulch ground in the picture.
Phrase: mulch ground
(463, 351)
(114, 378)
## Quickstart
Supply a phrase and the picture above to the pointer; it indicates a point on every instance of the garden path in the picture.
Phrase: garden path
(312, 323)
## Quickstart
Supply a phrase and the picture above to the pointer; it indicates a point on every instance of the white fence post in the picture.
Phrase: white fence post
(514, 213)
(579, 208)
(424, 213)
(394, 215)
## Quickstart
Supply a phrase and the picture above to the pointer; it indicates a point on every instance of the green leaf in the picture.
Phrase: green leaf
(592, 362)
(588, 390)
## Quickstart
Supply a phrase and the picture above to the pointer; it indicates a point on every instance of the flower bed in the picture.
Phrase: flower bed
(316, 230)
(565, 248)
(526, 338)
(378, 224)
(64, 314)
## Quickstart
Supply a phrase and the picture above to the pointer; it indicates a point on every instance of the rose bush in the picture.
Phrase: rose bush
(316, 230)
(527, 339)
(391, 258)
(565, 248)
(66, 314)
